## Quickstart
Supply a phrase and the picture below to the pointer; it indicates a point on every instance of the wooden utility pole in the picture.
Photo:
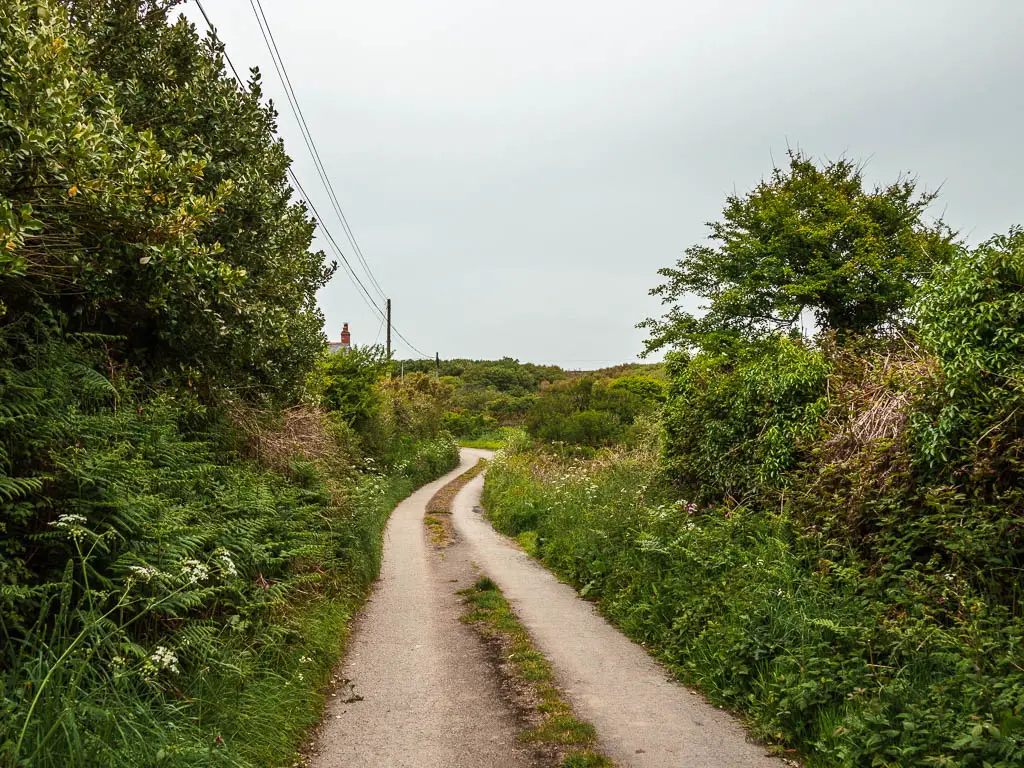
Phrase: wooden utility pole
(389, 328)
(437, 365)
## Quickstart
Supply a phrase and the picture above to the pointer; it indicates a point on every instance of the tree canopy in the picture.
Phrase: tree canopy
(143, 196)
(810, 237)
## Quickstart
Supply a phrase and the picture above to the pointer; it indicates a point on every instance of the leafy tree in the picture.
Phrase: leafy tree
(351, 381)
(142, 195)
(809, 238)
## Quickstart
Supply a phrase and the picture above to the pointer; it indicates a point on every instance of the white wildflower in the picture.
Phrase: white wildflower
(69, 521)
(144, 572)
(163, 658)
(73, 525)
(193, 571)
(227, 565)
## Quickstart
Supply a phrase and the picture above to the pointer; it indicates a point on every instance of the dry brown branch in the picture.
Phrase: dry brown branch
(275, 438)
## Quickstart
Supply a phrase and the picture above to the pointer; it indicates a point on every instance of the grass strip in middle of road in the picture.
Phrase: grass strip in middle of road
(559, 737)
(440, 528)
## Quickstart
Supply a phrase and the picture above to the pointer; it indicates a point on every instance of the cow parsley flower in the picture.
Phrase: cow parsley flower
(227, 565)
(72, 525)
(69, 521)
(145, 573)
(163, 658)
(193, 571)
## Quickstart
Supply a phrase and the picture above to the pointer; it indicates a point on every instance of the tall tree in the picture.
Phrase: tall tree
(143, 195)
(810, 237)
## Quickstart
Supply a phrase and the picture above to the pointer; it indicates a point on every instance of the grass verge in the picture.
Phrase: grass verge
(558, 735)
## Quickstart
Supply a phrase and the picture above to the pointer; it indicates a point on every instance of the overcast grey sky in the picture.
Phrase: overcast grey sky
(517, 172)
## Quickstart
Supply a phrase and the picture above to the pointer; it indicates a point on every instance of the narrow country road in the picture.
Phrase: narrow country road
(430, 697)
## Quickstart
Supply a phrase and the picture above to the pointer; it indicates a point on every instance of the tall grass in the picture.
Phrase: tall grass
(853, 663)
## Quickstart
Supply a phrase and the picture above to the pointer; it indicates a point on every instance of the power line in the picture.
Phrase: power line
(353, 277)
(310, 145)
(307, 135)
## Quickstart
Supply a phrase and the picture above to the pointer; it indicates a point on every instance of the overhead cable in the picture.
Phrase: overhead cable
(310, 145)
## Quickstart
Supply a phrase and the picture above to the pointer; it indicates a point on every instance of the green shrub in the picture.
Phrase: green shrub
(971, 316)
(350, 384)
(588, 411)
(734, 425)
(463, 424)
(164, 218)
(162, 601)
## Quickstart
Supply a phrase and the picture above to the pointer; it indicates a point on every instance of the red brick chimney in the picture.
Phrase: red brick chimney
(346, 337)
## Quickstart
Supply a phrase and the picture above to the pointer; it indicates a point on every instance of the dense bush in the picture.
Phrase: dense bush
(465, 424)
(592, 411)
(413, 406)
(971, 317)
(142, 195)
(734, 423)
(350, 383)
(159, 594)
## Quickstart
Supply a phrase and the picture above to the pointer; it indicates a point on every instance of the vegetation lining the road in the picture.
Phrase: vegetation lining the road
(560, 738)
(488, 441)
(439, 508)
(192, 491)
(823, 533)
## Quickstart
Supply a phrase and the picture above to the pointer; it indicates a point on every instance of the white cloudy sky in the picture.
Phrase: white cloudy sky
(517, 172)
